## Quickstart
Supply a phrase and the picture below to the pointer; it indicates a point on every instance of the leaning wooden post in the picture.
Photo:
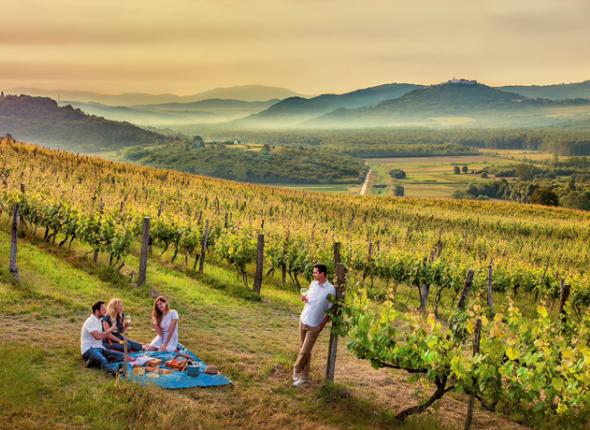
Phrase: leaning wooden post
(204, 247)
(476, 340)
(259, 264)
(145, 248)
(14, 231)
(466, 290)
(340, 282)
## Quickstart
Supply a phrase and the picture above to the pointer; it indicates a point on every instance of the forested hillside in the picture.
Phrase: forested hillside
(41, 120)
(293, 165)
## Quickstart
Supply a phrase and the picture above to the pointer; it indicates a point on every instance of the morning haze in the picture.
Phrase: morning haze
(310, 47)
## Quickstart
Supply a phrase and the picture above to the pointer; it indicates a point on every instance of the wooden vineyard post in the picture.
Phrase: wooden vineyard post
(564, 293)
(145, 247)
(466, 290)
(125, 355)
(100, 212)
(424, 289)
(204, 247)
(13, 243)
(476, 340)
(461, 307)
(340, 282)
(259, 264)
(490, 299)
(369, 259)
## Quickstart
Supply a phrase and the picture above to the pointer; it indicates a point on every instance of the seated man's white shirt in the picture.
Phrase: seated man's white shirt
(88, 341)
(317, 304)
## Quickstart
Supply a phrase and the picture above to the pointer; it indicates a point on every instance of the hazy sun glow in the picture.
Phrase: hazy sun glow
(185, 46)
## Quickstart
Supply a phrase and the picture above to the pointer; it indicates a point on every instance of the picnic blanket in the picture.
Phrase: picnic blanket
(175, 380)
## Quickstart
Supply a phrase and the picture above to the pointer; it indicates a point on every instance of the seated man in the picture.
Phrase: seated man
(91, 337)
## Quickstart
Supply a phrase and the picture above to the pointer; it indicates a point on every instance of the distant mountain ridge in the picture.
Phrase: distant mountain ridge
(293, 110)
(455, 103)
(246, 93)
(166, 114)
(40, 120)
(460, 99)
(554, 92)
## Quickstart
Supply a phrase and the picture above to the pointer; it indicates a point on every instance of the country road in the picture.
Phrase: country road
(365, 184)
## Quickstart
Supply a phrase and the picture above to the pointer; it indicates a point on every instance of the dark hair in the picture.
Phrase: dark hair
(321, 268)
(97, 305)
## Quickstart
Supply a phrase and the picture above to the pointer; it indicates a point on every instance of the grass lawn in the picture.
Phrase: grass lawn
(254, 342)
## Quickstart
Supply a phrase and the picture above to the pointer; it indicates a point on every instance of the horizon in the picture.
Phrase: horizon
(188, 47)
(8, 90)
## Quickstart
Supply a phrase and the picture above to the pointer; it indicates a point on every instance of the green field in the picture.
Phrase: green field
(322, 188)
(426, 176)
(432, 176)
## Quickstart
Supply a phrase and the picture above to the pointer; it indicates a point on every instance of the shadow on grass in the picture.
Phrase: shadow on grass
(346, 410)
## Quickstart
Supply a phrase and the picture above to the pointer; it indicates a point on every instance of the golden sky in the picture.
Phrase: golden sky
(186, 46)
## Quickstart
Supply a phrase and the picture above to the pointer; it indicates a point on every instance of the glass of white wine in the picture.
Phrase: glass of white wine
(303, 291)
(128, 319)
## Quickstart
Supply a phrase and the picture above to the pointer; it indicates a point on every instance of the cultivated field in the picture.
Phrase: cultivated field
(433, 176)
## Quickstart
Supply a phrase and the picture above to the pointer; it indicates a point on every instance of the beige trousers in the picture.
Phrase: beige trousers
(307, 337)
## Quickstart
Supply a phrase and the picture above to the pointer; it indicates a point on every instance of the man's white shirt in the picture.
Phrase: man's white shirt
(88, 341)
(317, 303)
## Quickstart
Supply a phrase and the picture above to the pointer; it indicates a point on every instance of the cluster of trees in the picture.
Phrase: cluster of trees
(377, 142)
(297, 165)
(551, 182)
(457, 170)
(575, 166)
(572, 194)
(397, 174)
(399, 190)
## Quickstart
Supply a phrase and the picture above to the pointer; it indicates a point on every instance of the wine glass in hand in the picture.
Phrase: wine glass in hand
(303, 292)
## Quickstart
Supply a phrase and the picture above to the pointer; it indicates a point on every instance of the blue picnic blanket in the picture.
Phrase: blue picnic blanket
(175, 379)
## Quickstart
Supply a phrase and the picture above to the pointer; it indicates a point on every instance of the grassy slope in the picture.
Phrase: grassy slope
(253, 342)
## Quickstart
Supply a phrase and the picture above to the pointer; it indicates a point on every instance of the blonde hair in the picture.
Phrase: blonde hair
(112, 311)
(156, 313)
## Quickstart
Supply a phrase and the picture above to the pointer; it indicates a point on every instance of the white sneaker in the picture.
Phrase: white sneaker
(296, 376)
(299, 382)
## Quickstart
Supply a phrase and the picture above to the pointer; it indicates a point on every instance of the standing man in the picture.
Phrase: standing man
(91, 337)
(312, 321)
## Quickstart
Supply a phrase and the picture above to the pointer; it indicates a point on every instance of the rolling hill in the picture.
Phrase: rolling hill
(140, 115)
(40, 120)
(454, 103)
(243, 92)
(295, 110)
(555, 92)
(168, 114)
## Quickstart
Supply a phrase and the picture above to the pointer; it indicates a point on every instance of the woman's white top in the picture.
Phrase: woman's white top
(165, 326)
